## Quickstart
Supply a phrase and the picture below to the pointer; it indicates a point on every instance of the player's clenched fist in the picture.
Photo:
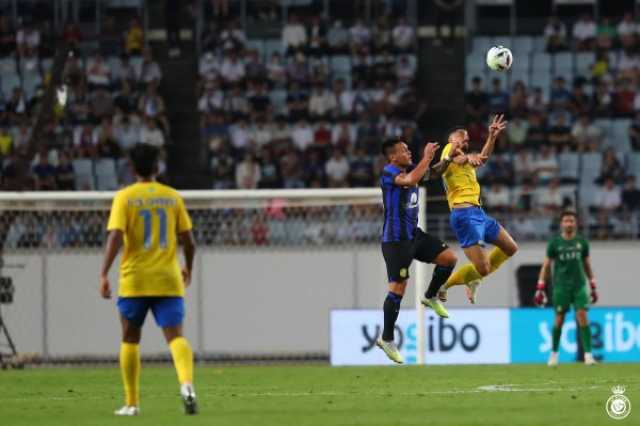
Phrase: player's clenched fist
(430, 150)
(105, 288)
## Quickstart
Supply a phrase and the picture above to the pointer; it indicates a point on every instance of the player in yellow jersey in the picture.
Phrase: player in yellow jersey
(472, 226)
(148, 218)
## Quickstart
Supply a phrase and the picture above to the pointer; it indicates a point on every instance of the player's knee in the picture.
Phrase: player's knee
(483, 268)
(512, 249)
(447, 258)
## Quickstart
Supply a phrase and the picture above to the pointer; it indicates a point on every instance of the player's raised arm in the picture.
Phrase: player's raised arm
(498, 124)
(414, 176)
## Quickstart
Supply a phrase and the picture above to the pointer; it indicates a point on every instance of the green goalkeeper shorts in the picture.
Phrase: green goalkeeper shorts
(566, 295)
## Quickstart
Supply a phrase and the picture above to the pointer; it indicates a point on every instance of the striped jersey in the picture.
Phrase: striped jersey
(400, 207)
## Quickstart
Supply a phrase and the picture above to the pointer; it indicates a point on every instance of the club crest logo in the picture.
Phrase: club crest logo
(403, 273)
(618, 405)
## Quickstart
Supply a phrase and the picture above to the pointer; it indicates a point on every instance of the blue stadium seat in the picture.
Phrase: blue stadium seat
(583, 63)
(569, 164)
(83, 170)
(115, 64)
(605, 125)
(634, 164)
(539, 44)
(542, 80)
(520, 75)
(563, 63)
(620, 135)
(614, 57)
(588, 193)
(46, 64)
(273, 45)
(106, 177)
(522, 62)
(482, 44)
(522, 45)
(279, 100)
(9, 82)
(590, 167)
(541, 62)
(30, 81)
(257, 45)
(341, 64)
(8, 65)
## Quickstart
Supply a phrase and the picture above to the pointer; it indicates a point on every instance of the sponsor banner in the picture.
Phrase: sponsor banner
(471, 336)
(615, 335)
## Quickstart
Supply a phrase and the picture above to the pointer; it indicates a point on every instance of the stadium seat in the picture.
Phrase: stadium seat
(482, 44)
(570, 192)
(83, 170)
(605, 125)
(523, 62)
(341, 64)
(563, 63)
(46, 64)
(634, 166)
(8, 65)
(9, 82)
(620, 135)
(542, 80)
(136, 63)
(588, 193)
(614, 57)
(124, 172)
(541, 62)
(569, 163)
(539, 44)
(590, 167)
(583, 63)
(257, 45)
(273, 45)
(279, 100)
(520, 75)
(522, 46)
(115, 64)
(30, 82)
(106, 177)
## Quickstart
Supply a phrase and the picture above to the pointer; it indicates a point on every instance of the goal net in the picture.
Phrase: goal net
(270, 267)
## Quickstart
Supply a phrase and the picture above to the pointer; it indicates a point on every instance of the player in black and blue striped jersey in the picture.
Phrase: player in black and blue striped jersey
(403, 240)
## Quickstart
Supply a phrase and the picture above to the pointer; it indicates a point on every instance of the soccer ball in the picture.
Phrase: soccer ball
(499, 58)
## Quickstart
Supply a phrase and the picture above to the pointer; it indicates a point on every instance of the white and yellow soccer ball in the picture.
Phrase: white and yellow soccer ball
(499, 58)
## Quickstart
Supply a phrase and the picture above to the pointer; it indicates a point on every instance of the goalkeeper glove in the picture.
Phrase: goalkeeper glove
(594, 293)
(540, 299)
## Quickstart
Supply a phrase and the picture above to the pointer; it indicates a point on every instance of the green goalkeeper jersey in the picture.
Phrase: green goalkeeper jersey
(568, 260)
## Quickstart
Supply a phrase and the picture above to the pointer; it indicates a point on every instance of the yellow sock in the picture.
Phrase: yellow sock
(130, 369)
(182, 359)
(468, 272)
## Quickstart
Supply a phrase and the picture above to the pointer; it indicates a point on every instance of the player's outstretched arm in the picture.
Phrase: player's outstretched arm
(498, 124)
(189, 246)
(114, 242)
(414, 176)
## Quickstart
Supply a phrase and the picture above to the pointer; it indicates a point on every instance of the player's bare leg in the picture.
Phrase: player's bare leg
(183, 360)
(555, 343)
(130, 367)
(585, 331)
(391, 311)
(445, 262)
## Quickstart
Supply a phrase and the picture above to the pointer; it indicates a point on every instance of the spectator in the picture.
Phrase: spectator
(524, 228)
(269, 171)
(240, 140)
(343, 135)
(7, 37)
(98, 73)
(631, 195)
(517, 133)
(134, 38)
(322, 136)
(360, 36)
(210, 37)
(151, 134)
(294, 35)
(261, 133)
(232, 38)
(44, 174)
(152, 105)
(551, 198)
(382, 34)
(281, 135)
(247, 173)
(600, 69)
(314, 169)
(298, 70)
(255, 70)
(321, 103)
(609, 198)
(403, 36)
(560, 134)
(101, 104)
(627, 31)
(27, 39)
(232, 70)
(624, 98)
(580, 102)
(212, 99)
(126, 102)
(611, 167)
(291, 169)
(209, 67)
(150, 71)
(555, 34)
(497, 199)
(297, 103)
(628, 65)
(338, 38)
(361, 169)
(536, 102)
(523, 166)
(6, 142)
(546, 165)
(276, 71)
(584, 33)
(404, 72)
(72, 35)
(127, 72)
(220, 9)
(302, 135)
(237, 104)
(17, 107)
(606, 34)
(385, 100)
(518, 100)
(126, 133)
(526, 199)
(498, 99)
(260, 103)
(634, 132)
(361, 99)
(317, 36)
(110, 38)
(21, 135)
(602, 101)
(560, 96)
(222, 167)
(65, 176)
(585, 134)
(337, 169)
(477, 101)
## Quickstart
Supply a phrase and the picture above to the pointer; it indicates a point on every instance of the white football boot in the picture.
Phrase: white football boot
(127, 410)
(553, 359)
(391, 350)
(588, 359)
(188, 395)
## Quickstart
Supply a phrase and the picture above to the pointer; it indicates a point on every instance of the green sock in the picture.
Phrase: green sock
(557, 331)
(585, 333)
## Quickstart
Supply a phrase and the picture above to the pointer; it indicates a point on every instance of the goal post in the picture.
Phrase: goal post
(318, 247)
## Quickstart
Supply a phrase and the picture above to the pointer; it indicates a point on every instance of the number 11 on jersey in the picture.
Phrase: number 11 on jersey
(147, 218)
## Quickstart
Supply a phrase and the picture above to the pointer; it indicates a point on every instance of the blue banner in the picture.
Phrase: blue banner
(615, 335)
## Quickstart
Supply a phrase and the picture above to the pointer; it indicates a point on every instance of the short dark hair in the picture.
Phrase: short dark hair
(568, 212)
(144, 159)
(388, 146)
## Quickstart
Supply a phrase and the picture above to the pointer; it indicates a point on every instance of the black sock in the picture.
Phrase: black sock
(391, 308)
(440, 276)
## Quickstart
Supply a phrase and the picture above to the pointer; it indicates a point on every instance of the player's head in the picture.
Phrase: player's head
(397, 152)
(568, 221)
(144, 160)
(460, 138)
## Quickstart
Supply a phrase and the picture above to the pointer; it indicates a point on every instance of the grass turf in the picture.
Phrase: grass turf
(320, 395)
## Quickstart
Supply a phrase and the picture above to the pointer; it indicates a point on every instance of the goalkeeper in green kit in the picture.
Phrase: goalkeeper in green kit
(569, 253)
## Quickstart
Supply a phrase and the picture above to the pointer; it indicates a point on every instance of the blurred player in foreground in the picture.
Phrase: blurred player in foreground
(148, 218)
(569, 253)
(403, 241)
(471, 225)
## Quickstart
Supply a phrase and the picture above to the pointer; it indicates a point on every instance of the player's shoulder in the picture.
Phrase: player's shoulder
(555, 239)
(582, 239)
(390, 171)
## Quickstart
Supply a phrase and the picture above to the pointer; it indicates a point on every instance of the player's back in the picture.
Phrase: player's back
(460, 181)
(150, 215)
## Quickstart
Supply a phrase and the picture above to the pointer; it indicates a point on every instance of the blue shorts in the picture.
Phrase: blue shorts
(168, 311)
(473, 226)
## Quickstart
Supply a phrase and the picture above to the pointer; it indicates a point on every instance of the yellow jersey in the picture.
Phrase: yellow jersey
(150, 215)
(460, 182)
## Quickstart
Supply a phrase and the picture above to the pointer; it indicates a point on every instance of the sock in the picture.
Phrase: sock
(468, 272)
(391, 309)
(130, 369)
(585, 334)
(555, 334)
(439, 277)
(182, 359)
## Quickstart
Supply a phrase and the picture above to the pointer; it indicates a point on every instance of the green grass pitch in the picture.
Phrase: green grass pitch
(321, 395)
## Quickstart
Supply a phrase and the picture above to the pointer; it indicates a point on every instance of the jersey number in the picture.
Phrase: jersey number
(147, 217)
